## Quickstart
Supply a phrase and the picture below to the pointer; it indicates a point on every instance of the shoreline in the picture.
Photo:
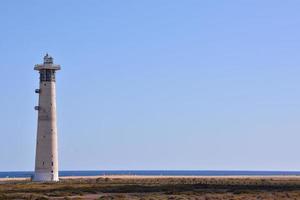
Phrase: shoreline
(127, 177)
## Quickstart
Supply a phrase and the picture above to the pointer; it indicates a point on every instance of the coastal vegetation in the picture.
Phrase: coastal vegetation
(146, 188)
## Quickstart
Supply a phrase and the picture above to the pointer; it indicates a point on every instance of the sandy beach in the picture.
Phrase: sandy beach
(126, 177)
(129, 177)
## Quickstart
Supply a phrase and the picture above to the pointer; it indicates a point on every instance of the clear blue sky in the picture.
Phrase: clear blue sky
(155, 84)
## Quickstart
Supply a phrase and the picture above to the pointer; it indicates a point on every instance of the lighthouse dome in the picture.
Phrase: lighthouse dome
(48, 59)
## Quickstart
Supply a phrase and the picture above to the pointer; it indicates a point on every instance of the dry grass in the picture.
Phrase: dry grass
(156, 188)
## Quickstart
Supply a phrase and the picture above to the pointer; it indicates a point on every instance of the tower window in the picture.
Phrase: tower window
(47, 75)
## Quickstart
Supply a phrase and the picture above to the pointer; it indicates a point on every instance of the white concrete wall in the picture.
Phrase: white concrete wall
(46, 159)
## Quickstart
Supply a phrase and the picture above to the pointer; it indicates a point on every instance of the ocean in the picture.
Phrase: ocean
(24, 174)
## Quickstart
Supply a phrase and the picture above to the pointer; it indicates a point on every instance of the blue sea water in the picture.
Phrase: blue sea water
(24, 174)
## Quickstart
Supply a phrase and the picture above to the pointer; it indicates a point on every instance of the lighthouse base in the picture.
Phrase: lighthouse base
(45, 177)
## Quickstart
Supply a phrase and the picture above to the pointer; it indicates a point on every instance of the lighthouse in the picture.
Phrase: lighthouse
(46, 158)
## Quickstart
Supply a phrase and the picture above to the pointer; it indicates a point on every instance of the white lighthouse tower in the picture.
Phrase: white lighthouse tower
(46, 158)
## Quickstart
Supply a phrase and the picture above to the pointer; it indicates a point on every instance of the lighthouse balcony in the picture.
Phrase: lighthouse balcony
(46, 66)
